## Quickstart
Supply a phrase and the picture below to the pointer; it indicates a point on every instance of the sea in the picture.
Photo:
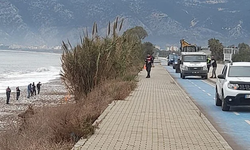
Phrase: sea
(20, 68)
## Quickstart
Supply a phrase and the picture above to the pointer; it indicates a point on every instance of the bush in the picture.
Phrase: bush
(98, 59)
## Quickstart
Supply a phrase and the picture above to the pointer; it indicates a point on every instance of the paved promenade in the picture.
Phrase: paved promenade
(158, 115)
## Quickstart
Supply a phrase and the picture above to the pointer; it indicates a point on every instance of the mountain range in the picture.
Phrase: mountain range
(49, 22)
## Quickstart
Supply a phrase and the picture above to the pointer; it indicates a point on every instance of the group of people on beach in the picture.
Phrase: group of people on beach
(31, 91)
(8, 91)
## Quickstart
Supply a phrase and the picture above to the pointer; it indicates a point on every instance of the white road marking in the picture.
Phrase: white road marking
(209, 83)
(236, 113)
(201, 88)
(248, 121)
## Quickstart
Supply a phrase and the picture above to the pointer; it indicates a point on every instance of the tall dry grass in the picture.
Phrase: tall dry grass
(98, 59)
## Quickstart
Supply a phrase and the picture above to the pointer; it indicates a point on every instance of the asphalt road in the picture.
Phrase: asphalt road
(233, 125)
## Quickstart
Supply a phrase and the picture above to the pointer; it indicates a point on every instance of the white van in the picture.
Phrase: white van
(193, 64)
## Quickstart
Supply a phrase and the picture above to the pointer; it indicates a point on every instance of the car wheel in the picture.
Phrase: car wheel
(225, 107)
(205, 77)
(218, 101)
(182, 76)
(168, 64)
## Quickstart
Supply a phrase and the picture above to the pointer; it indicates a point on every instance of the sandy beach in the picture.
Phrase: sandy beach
(51, 93)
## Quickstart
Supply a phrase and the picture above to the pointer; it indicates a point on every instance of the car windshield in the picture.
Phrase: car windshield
(171, 56)
(239, 71)
(194, 58)
(176, 57)
(190, 49)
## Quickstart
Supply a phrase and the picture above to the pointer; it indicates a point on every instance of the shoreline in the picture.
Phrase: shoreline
(52, 93)
(50, 51)
(24, 88)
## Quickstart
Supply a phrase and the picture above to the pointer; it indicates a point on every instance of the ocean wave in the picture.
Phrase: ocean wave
(21, 68)
(42, 75)
(25, 73)
(42, 69)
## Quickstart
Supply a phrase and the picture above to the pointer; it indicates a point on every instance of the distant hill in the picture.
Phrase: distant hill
(48, 22)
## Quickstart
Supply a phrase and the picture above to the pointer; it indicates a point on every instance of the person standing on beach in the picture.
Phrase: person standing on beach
(34, 88)
(8, 91)
(38, 87)
(17, 93)
(29, 90)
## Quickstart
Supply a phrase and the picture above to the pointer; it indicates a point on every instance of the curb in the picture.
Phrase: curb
(82, 141)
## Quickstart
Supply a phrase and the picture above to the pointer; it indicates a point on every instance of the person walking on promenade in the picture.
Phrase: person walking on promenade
(149, 63)
(214, 65)
(8, 91)
(34, 88)
(17, 93)
(38, 86)
(29, 90)
(208, 63)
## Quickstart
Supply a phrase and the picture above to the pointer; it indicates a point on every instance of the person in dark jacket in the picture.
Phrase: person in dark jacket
(8, 91)
(214, 65)
(149, 63)
(34, 88)
(29, 90)
(17, 93)
(38, 86)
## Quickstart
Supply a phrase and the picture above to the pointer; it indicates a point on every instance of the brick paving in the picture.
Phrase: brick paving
(158, 115)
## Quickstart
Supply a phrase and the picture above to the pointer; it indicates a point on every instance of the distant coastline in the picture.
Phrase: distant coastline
(57, 51)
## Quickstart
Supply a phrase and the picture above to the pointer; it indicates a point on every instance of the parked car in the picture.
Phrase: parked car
(170, 59)
(176, 58)
(233, 85)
